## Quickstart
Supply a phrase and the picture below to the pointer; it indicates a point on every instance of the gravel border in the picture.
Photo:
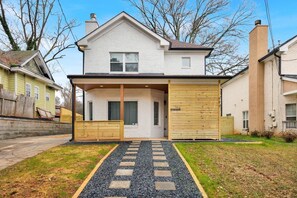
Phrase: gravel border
(143, 179)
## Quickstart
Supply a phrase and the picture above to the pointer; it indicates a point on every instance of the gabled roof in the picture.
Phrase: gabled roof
(16, 58)
(178, 45)
(173, 44)
(282, 47)
(120, 16)
(15, 61)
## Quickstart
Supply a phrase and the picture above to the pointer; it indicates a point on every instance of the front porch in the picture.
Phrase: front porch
(160, 108)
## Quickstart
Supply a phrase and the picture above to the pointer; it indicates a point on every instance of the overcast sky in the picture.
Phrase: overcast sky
(283, 17)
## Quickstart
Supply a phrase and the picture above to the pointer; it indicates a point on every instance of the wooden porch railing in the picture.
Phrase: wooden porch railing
(99, 130)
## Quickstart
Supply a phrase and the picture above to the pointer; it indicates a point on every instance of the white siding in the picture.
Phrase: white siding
(123, 37)
(173, 63)
(289, 60)
(236, 100)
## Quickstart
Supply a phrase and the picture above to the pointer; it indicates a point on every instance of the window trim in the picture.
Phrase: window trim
(47, 96)
(126, 125)
(158, 123)
(91, 115)
(124, 62)
(26, 90)
(36, 92)
(245, 121)
(190, 62)
(291, 116)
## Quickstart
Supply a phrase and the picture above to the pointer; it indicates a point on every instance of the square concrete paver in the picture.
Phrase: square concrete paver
(162, 173)
(159, 157)
(129, 157)
(157, 149)
(127, 164)
(120, 184)
(124, 172)
(158, 153)
(161, 164)
(133, 149)
(165, 186)
(133, 146)
(131, 153)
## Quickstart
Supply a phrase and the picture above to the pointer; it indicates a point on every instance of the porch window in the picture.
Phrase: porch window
(291, 116)
(245, 115)
(90, 104)
(28, 90)
(130, 115)
(123, 62)
(156, 113)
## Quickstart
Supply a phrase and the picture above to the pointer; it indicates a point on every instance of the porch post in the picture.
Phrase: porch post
(122, 108)
(73, 110)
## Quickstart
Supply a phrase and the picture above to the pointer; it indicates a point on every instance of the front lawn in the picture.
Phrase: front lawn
(57, 172)
(242, 170)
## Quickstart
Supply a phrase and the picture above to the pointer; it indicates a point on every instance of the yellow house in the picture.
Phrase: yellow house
(25, 72)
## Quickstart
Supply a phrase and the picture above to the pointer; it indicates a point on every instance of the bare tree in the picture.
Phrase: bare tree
(29, 27)
(209, 23)
(66, 97)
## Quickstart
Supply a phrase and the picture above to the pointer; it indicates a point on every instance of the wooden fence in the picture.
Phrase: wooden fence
(17, 106)
(66, 116)
(227, 125)
(99, 130)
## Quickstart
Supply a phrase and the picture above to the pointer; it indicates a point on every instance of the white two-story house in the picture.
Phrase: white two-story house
(156, 86)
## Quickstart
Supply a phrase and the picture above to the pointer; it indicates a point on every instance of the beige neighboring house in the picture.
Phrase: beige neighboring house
(264, 95)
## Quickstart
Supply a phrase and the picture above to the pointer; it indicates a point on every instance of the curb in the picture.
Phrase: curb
(203, 193)
(86, 181)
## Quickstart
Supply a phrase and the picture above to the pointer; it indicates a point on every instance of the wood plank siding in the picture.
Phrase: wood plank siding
(194, 111)
(99, 130)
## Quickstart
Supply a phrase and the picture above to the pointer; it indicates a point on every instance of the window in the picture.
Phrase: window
(130, 117)
(47, 96)
(186, 62)
(245, 115)
(123, 62)
(28, 90)
(156, 113)
(90, 110)
(291, 115)
(36, 92)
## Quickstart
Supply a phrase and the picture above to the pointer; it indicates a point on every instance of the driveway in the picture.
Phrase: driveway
(16, 150)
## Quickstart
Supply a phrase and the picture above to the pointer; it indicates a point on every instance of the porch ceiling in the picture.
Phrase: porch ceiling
(86, 87)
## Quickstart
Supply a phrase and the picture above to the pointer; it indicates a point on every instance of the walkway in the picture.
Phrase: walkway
(18, 149)
(142, 169)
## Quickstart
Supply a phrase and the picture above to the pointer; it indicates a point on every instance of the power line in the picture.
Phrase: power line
(70, 28)
(269, 21)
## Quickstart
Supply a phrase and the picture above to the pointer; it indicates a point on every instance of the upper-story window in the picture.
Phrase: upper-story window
(186, 62)
(36, 92)
(123, 62)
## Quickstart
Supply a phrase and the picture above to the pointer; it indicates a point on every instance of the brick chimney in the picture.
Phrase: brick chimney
(258, 47)
(91, 24)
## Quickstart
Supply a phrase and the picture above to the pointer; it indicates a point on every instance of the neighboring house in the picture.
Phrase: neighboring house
(264, 95)
(25, 72)
(157, 86)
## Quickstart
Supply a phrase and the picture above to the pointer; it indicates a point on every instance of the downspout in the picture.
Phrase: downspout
(83, 90)
(73, 113)
(279, 64)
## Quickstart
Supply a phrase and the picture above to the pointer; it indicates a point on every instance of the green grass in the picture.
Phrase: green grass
(242, 170)
(57, 172)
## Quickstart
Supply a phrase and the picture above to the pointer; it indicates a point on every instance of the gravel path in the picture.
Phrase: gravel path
(151, 174)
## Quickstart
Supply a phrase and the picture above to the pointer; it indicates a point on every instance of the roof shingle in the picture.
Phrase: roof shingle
(10, 58)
